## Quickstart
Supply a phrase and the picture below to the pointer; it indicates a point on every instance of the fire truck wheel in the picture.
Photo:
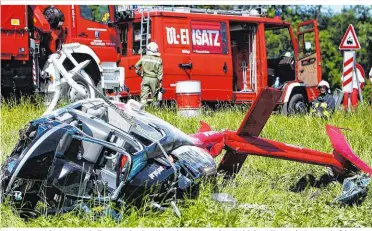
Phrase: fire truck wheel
(297, 105)
(7, 92)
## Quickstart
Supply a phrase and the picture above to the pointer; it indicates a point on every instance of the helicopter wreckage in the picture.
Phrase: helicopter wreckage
(97, 151)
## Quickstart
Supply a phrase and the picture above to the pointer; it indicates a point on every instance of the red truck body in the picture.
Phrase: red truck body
(14, 44)
(205, 42)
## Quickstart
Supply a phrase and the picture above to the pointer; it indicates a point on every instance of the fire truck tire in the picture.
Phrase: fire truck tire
(297, 105)
(6, 92)
(16, 93)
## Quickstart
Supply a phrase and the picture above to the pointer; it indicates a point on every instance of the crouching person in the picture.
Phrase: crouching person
(325, 104)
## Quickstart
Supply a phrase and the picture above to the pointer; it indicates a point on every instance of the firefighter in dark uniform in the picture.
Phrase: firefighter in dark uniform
(152, 72)
(325, 104)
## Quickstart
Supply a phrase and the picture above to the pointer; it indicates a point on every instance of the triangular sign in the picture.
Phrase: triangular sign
(350, 40)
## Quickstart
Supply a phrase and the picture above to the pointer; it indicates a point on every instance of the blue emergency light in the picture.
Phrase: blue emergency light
(277, 13)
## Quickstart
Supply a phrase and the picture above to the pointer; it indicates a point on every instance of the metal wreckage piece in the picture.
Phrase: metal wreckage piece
(96, 152)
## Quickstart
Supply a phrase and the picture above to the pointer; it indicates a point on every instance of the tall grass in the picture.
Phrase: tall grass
(262, 181)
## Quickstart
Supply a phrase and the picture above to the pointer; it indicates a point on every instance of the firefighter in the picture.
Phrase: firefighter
(325, 104)
(151, 73)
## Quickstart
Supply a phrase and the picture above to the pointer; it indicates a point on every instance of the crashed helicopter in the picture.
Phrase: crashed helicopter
(97, 151)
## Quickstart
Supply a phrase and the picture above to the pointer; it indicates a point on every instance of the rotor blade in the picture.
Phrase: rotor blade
(252, 125)
(231, 163)
(259, 112)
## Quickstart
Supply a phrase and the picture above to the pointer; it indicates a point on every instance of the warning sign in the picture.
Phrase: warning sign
(350, 40)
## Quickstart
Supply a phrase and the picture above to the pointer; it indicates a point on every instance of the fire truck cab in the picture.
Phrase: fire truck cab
(233, 54)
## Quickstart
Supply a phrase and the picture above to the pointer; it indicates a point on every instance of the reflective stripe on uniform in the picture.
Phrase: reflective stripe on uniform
(323, 105)
(326, 113)
(151, 60)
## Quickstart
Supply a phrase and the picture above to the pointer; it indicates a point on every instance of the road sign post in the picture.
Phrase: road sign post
(348, 71)
(350, 76)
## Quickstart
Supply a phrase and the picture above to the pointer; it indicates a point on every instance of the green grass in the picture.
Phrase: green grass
(262, 181)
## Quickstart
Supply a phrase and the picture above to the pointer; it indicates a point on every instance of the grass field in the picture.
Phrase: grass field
(262, 181)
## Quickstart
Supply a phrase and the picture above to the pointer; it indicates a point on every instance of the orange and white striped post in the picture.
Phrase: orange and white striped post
(34, 77)
(350, 78)
(347, 77)
(350, 94)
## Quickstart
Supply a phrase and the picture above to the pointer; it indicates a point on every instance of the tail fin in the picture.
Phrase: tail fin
(204, 127)
(259, 113)
(343, 151)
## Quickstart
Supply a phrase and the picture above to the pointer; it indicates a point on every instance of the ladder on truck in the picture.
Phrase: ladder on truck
(145, 23)
(253, 12)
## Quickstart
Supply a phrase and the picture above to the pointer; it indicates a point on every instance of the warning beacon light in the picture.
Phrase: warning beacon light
(277, 14)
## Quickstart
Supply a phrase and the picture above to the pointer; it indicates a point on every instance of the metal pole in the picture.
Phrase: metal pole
(254, 50)
(250, 56)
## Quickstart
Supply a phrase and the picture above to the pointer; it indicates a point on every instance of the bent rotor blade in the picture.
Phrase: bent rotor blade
(259, 113)
(231, 163)
(252, 125)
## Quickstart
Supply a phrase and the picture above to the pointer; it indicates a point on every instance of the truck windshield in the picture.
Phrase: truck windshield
(278, 43)
(96, 13)
(280, 55)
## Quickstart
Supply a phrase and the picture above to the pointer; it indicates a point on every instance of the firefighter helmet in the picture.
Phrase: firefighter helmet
(153, 49)
(323, 83)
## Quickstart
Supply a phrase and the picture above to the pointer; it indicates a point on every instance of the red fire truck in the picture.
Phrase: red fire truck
(29, 34)
(233, 54)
